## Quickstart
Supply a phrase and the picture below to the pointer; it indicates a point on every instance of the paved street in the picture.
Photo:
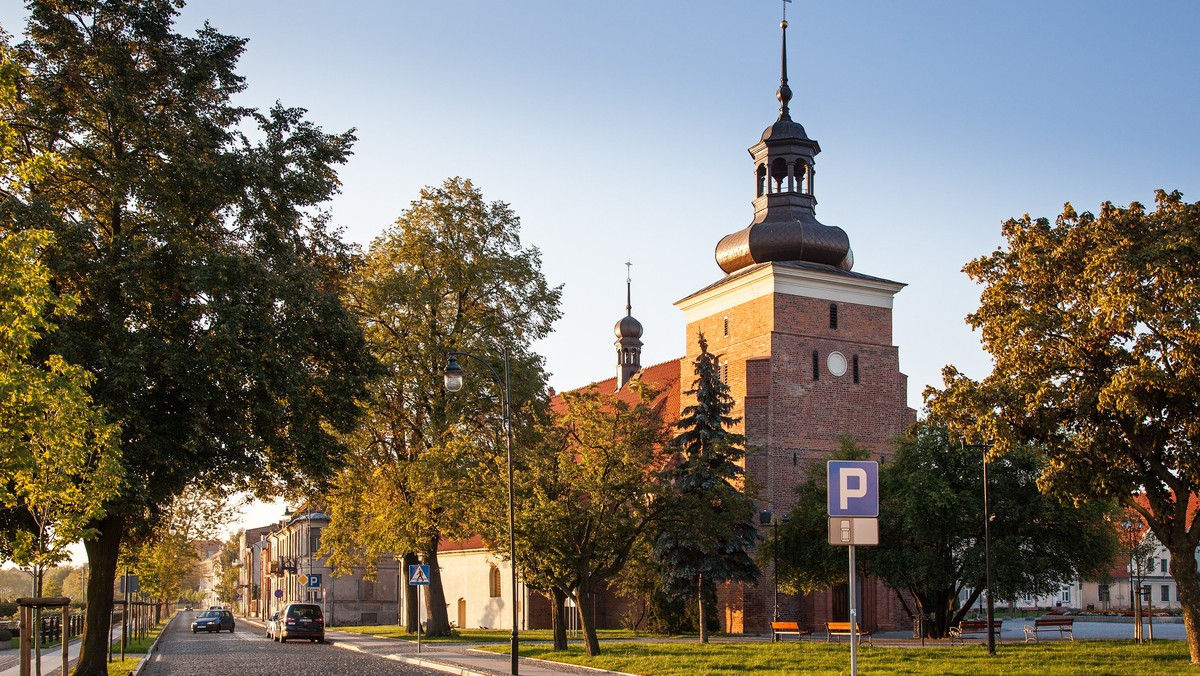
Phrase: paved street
(248, 651)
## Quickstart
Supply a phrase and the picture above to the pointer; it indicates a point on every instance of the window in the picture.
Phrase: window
(1146, 592)
(725, 327)
(494, 582)
(833, 316)
(314, 541)
(1066, 595)
(725, 372)
(855, 369)
(1166, 593)
(1163, 567)
(816, 365)
(1150, 565)
(1104, 593)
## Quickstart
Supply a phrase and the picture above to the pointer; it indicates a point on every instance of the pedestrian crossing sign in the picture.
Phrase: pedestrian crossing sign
(418, 575)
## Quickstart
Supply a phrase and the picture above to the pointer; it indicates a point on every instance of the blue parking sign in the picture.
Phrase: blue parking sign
(853, 488)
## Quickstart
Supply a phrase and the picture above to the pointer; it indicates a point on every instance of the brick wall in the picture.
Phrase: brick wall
(791, 419)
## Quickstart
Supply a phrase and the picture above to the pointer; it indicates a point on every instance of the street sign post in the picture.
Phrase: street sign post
(418, 576)
(314, 580)
(853, 488)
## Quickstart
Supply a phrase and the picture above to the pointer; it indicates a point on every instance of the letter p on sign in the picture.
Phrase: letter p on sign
(853, 488)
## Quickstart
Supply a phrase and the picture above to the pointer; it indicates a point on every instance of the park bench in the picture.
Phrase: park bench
(839, 629)
(1063, 625)
(788, 629)
(973, 627)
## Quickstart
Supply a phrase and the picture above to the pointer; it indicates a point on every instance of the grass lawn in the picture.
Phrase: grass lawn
(478, 635)
(1045, 659)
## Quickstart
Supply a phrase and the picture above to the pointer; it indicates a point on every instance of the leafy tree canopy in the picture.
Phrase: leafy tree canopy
(1091, 322)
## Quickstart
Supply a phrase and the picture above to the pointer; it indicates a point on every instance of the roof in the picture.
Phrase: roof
(663, 376)
(471, 543)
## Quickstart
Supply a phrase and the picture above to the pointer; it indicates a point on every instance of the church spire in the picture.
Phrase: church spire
(629, 334)
(785, 226)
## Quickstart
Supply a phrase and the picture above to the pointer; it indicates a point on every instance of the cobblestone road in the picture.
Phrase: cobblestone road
(248, 651)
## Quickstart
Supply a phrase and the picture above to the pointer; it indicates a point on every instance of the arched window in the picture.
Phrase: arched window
(779, 174)
(855, 369)
(494, 582)
(816, 365)
(833, 316)
(761, 176)
(725, 327)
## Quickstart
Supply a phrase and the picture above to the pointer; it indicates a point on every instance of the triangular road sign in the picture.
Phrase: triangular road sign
(418, 574)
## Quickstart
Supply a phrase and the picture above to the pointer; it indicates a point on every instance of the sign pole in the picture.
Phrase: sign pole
(853, 617)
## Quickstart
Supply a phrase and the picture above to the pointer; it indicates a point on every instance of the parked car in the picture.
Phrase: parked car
(213, 620)
(300, 620)
(272, 625)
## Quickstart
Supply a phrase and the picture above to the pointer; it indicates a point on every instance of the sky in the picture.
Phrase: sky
(618, 131)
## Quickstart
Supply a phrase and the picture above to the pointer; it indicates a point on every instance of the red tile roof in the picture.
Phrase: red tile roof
(664, 376)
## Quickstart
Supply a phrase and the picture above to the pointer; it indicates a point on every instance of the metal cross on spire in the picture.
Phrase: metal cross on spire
(628, 284)
(785, 4)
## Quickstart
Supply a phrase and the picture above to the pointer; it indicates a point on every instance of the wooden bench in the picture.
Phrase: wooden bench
(1063, 625)
(788, 629)
(840, 629)
(972, 627)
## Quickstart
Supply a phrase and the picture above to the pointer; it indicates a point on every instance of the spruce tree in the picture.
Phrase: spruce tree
(712, 531)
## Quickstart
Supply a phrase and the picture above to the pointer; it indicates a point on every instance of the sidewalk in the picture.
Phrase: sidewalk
(10, 660)
(460, 658)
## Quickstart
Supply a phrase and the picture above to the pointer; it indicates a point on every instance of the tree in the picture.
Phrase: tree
(590, 494)
(711, 531)
(1091, 324)
(931, 507)
(451, 274)
(208, 284)
(61, 455)
(932, 510)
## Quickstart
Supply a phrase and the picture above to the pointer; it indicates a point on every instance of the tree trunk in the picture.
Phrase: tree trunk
(438, 623)
(583, 598)
(1183, 569)
(102, 560)
(558, 616)
(703, 616)
(411, 599)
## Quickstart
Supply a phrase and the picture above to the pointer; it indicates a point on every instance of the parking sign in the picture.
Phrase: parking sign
(853, 488)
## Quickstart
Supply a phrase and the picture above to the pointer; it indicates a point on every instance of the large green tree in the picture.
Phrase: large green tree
(450, 274)
(931, 548)
(708, 538)
(1092, 325)
(591, 492)
(208, 285)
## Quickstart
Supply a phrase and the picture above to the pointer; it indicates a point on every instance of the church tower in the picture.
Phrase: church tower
(806, 349)
(629, 343)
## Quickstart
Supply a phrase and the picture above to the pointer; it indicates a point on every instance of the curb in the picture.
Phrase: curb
(137, 670)
(417, 661)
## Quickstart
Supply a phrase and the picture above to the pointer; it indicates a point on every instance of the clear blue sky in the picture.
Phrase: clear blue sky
(618, 131)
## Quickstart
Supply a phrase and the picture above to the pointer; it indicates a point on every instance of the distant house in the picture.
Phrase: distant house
(281, 565)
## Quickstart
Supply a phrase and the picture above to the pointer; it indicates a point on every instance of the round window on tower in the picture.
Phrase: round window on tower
(836, 363)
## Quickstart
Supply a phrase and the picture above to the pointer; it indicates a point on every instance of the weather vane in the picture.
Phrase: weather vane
(785, 4)
(628, 270)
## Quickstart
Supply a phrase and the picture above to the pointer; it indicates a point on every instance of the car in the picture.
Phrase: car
(272, 624)
(187, 608)
(213, 620)
(300, 620)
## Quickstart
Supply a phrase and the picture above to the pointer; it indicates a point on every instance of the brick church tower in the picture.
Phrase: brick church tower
(806, 348)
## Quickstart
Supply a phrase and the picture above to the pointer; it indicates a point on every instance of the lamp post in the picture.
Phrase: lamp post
(453, 375)
(767, 518)
(987, 549)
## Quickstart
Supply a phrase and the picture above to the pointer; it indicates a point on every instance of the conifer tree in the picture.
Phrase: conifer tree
(711, 532)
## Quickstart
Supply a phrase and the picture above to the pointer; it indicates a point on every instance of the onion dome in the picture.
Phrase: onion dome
(785, 226)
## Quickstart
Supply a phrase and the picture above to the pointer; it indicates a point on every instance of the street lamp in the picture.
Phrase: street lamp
(987, 548)
(767, 518)
(453, 374)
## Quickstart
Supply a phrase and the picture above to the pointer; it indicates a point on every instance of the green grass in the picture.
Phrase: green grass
(762, 659)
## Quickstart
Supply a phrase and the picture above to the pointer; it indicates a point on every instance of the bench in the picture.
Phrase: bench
(787, 629)
(840, 629)
(972, 627)
(1063, 625)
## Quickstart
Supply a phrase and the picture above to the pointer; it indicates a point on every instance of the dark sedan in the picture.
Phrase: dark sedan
(213, 620)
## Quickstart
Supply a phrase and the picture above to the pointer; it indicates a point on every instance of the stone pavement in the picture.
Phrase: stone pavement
(456, 658)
